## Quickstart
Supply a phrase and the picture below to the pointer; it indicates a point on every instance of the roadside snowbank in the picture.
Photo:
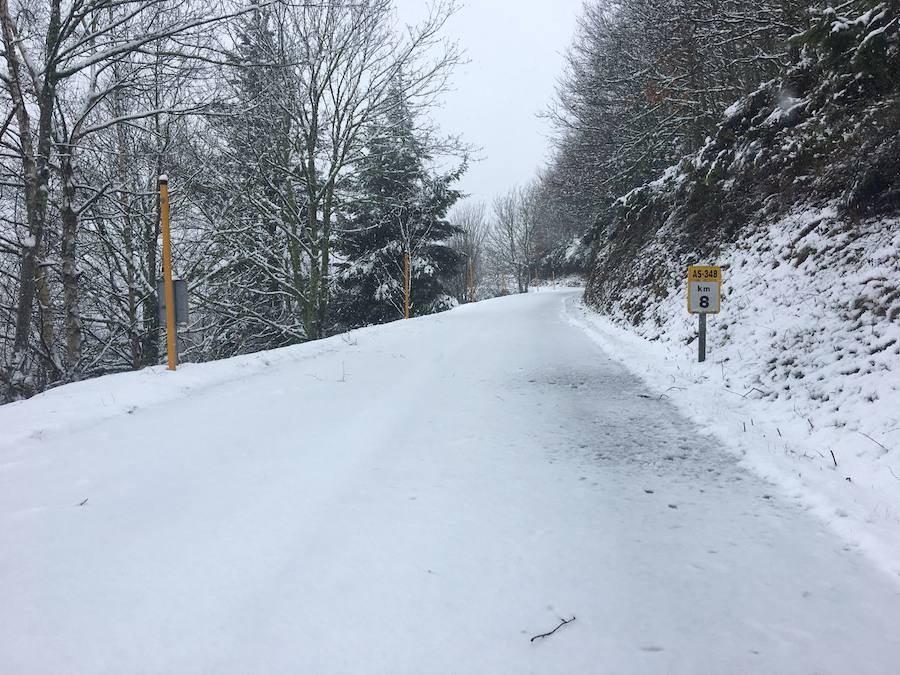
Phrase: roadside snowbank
(88, 403)
(803, 370)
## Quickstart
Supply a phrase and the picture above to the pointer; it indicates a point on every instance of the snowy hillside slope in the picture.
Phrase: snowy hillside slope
(797, 197)
(826, 135)
(89, 403)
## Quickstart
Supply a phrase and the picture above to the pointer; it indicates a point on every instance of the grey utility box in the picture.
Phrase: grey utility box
(181, 301)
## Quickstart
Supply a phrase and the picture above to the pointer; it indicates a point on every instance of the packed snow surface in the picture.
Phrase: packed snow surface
(421, 497)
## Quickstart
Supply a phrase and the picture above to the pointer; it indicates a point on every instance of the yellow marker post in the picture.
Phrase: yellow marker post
(406, 285)
(168, 286)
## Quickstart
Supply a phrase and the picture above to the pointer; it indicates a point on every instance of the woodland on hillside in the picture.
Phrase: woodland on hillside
(682, 126)
(299, 154)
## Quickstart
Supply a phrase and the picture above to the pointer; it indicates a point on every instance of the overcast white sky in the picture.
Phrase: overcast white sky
(515, 50)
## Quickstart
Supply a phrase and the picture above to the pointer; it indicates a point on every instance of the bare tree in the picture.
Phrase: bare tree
(72, 52)
(511, 239)
(470, 218)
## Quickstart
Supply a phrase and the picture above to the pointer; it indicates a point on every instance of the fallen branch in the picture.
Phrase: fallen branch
(873, 440)
(543, 635)
(746, 393)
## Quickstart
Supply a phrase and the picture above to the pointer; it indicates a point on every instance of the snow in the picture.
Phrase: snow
(734, 109)
(787, 105)
(419, 497)
(573, 249)
(667, 175)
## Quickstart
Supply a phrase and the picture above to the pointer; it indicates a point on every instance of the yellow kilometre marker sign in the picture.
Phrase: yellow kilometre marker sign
(704, 289)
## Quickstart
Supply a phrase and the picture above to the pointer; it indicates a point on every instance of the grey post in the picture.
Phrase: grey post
(181, 301)
(702, 341)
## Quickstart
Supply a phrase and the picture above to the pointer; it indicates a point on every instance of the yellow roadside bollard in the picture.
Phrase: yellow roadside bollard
(167, 271)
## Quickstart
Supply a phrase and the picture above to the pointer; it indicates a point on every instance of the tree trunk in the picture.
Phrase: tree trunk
(325, 257)
(134, 339)
(36, 174)
(152, 231)
(312, 292)
(72, 310)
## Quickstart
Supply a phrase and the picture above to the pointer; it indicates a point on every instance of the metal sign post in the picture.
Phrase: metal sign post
(701, 354)
(704, 297)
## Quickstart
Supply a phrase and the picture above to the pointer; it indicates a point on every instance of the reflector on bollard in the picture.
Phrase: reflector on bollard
(181, 301)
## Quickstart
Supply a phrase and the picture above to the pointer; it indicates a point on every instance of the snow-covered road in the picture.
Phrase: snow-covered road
(421, 497)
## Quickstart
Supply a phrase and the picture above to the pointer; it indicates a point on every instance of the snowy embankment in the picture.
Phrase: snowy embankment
(803, 372)
(86, 404)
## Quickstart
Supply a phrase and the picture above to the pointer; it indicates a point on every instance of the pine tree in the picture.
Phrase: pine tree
(400, 206)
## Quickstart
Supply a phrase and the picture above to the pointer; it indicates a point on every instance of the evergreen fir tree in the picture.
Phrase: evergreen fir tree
(400, 206)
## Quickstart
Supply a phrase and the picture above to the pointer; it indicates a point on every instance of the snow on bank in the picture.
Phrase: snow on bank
(85, 404)
(803, 370)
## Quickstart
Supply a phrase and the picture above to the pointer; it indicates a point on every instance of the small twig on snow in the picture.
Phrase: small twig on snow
(873, 440)
(833, 458)
(543, 635)
(84, 502)
(893, 474)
